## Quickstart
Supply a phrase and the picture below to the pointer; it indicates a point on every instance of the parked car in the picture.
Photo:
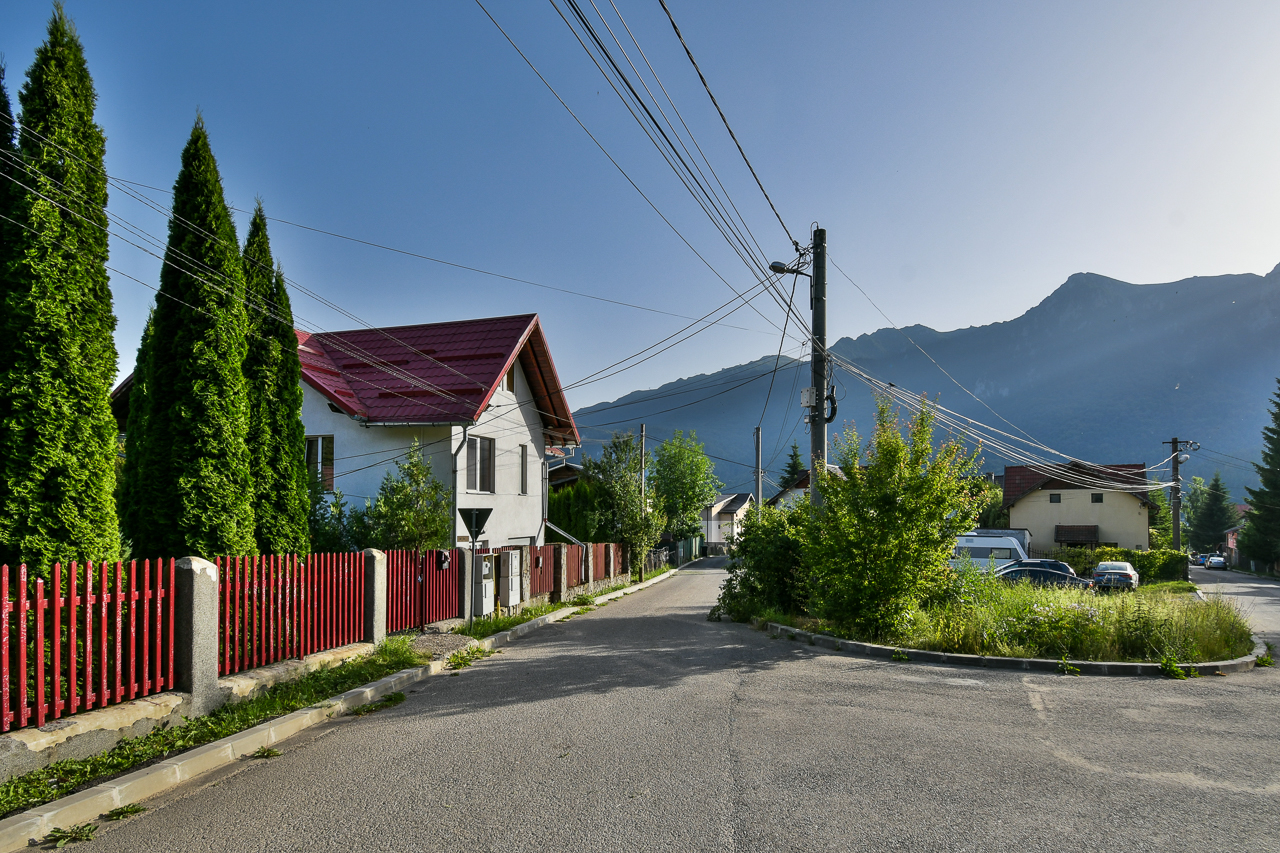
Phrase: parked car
(1198, 560)
(1216, 562)
(1043, 573)
(1111, 575)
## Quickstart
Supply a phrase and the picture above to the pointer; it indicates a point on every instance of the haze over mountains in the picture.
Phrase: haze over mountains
(1101, 369)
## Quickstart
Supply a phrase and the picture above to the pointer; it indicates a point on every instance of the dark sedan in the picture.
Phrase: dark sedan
(1043, 573)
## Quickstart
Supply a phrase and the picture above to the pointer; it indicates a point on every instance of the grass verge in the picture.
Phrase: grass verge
(65, 777)
(486, 626)
(995, 618)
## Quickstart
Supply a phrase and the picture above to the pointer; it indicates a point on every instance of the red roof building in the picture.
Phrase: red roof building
(1079, 504)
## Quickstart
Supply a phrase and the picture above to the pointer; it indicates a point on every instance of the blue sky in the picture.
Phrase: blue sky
(965, 158)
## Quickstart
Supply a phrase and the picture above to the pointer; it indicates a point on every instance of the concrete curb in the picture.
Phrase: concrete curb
(1086, 667)
(618, 593)
(17, 832)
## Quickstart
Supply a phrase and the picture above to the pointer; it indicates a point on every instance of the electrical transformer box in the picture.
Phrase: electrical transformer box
(509, 578)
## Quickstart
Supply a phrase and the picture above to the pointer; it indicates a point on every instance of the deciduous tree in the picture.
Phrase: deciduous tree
(58, 441)
(684, 483)
(623, 515)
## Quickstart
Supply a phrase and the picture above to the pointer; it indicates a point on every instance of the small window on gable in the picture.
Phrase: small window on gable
(511, 380)
(1055, 498)
(1096, 497)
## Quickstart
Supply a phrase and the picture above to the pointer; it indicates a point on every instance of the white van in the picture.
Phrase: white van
(987, 552)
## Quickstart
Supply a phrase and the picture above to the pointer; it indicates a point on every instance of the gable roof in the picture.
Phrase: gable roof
(1021, 480)
(731, 503)
(801, 483)
(435, 373)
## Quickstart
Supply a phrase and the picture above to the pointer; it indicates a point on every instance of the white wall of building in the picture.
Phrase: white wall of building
(363, 455)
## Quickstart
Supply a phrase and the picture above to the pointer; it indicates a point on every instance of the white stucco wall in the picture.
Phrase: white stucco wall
(364, 454)
(1121, 517)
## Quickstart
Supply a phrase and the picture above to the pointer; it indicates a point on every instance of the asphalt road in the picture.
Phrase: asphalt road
(1258, 597)
(641, 726)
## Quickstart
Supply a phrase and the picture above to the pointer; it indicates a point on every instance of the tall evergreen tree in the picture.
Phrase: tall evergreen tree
(187, 463)
(58, 441)
(1261, 539)
(277, 437)
(1215, 515)
(795, 466)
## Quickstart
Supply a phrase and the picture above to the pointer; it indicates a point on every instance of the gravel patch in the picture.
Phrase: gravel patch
(441, 645)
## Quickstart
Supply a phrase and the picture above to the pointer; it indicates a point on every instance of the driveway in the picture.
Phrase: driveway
(1258, 597)
(642, 726)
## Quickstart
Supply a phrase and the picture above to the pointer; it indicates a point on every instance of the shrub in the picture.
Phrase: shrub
(765, 569)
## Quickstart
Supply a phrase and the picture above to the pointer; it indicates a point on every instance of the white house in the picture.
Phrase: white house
(723, 519)
(482, 398)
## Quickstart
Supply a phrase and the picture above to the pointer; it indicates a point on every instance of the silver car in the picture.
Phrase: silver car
(1115, 576)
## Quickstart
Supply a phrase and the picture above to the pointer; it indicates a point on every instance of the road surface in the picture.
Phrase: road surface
(1258, 597)
(642, 726)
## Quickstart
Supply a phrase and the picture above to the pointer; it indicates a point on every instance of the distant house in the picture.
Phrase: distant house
(1060, 512)
(481, 397)
(1233, 545)
(723, 519)
(798, 488)
(562, 474)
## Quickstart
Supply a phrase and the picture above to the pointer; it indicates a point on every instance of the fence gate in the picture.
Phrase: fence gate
(422, 588)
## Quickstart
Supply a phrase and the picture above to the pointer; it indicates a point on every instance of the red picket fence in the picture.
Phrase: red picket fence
(542, 572)
(274, 608)
(598, 567)
(106, 638)
(421, 589)
(574, 565)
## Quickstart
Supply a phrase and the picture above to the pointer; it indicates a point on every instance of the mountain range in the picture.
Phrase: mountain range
(1101, 369)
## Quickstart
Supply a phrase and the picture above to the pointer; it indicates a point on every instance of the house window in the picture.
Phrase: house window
(524, 469)
(480, 464)
(511, 380)
(1096, 497)
(320, 459)
(1055, 498)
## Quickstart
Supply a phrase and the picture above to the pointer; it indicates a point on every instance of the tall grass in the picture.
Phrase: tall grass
(1021, 620)
(486, 626)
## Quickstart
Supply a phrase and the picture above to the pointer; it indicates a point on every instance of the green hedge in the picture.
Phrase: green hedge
(1152, 566)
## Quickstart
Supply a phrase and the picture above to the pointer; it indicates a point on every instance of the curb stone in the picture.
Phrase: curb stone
(1086, 667)
(19, 831)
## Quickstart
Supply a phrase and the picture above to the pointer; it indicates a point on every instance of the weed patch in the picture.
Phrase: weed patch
(62, 837)
(125, 811)
(465, 657)
(583, 600)
(266, 752)
(65, 777)
(487, 626)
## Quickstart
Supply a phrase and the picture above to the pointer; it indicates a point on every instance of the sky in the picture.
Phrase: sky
(965, 159)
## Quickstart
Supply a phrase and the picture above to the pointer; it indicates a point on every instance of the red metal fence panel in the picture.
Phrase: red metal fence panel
(273, 608)
(421, 588)
(598, 567)
(573, 565)
(542, 573)
(55, 661)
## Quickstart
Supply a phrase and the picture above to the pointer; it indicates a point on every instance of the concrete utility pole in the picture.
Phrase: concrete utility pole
(1175, 492)
(818, 414)
(642, 470)
(759, 476)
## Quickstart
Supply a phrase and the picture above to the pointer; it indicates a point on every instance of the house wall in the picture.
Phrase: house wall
(364, 454)
(1121, 517)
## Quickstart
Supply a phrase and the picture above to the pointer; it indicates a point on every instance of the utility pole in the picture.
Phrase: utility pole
(1175, 492)
(818, 361)
(643, 473)
(759, 476)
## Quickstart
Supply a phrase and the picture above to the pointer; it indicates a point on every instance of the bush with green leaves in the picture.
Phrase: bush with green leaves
(684, 483)
(765, 572)
(623, 513)
(885, 531)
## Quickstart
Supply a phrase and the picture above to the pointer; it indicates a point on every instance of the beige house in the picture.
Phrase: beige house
(723, 519)
(1060, 513)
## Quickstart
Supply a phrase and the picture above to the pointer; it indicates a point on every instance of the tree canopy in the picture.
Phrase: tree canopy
(622, 514)
(1261, 536)
(684, 483)
(1214, 515)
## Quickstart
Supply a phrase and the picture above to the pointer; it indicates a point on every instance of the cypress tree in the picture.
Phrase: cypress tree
(795, 466)
(58, 442)
(277, 438)
(1215, 515)
(1261, 539)
(189, 487)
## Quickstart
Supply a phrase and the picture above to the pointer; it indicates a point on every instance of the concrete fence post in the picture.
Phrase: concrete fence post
(561, 583)
(588, 563)
(195, 633)
(527, 553)
(375, 596)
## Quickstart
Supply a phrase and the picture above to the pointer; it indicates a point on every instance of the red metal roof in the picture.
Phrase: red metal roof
(1022, 479)
(436, 372)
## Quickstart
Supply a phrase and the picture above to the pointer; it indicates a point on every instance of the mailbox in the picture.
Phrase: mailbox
(482, 586)
(509, 575)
